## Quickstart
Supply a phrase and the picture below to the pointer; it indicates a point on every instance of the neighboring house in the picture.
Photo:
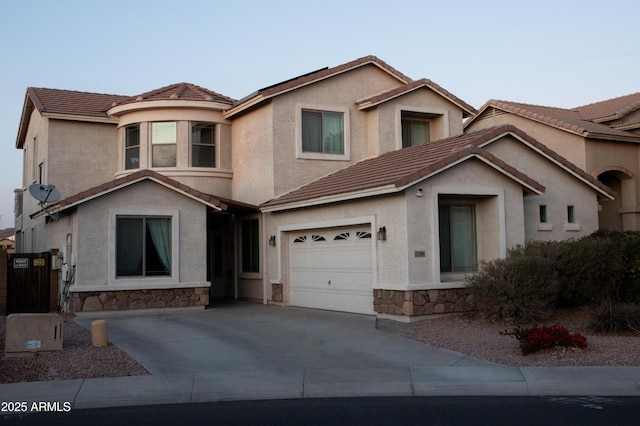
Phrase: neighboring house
(602, 138)
(351, 188)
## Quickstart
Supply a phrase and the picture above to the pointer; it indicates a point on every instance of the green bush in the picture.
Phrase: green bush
(518, 289)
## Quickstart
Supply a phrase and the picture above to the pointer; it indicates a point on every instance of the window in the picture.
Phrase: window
(458, 247)
(323, 132)
(571, 214)
(250, 246)
(143, 246)
(203, 149)
(41, 173)
(414, 132)
(543, 214)
(164, 137)
(132, 147)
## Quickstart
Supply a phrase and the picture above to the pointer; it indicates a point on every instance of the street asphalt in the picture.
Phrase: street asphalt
(247, 351)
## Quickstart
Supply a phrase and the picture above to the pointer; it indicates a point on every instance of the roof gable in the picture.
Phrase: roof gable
(217, 203)
(569, 120)
(373, 101)
(269, 92)
(182, 92)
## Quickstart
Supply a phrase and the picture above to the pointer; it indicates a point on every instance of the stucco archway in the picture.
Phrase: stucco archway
(620, 213)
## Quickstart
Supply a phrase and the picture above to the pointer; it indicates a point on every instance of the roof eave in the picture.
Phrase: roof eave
(162, 104)
(346, 196)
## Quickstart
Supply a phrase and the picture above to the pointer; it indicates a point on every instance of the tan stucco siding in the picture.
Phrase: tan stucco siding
(81, 155)
(338, 93)
(608, 155)
(143, 199)
(448, 123)
(252, 156)
(562, 190)
(568, 145)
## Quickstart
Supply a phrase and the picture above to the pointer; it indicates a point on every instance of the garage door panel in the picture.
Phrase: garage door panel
(338, 256)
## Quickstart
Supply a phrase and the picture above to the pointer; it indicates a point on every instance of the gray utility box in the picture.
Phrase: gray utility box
(28, 334)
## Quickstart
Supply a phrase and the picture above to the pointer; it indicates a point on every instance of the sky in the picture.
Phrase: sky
(562, 53)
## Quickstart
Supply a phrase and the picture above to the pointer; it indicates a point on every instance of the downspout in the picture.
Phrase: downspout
(264, 246)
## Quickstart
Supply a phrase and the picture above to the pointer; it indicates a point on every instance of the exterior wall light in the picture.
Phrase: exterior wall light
(272, 241)
(419, 192)
(382, 233)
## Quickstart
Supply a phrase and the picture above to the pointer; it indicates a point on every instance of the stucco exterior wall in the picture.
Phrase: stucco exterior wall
(449, 123)
(252, 158)
(80, 155)
(341, 91)
(569, 145)
(96, 246)
(562, 190)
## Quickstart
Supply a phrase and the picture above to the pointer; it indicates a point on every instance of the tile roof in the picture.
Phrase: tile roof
(572, 120)
(180, 91)
(70, 102)
(424, 82)
(219, 203)
(297, 82)
(610, 109)
(397, 169)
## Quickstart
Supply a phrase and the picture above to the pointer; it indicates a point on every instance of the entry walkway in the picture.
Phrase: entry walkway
(251, 351)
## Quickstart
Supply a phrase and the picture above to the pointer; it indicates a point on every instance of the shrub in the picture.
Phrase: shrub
(537, 338)
(615, 318)
(516, 289)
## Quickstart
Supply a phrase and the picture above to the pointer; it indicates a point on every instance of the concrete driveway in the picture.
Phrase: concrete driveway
(250, 351)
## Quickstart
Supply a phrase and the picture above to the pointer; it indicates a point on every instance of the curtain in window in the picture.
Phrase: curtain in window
(333, 133)
(311, 131)
(160, 230)
(463, 238)
(129, 247)
(419, 133)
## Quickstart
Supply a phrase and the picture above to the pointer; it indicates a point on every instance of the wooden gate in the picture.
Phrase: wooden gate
(28, 287)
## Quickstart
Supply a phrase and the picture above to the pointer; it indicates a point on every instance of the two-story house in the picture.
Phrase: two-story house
(350, 188)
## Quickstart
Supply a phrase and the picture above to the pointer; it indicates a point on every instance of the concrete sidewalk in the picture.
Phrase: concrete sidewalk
(250, 351)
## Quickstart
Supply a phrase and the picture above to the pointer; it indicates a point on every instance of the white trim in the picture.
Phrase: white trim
(572, 227)
(421, 110)
(182, 104)
(545, 226)
(380, 190)
(435, 221)
(173, 280)
(346, 122)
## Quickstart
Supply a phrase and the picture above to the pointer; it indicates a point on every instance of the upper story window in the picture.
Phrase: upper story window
(415, 129)
(132, 147)
(164, 138)
(323, 132)
(203, 144)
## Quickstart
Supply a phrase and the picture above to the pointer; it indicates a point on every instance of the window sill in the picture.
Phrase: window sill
(572, 227)
(323, 156)
(544, 226)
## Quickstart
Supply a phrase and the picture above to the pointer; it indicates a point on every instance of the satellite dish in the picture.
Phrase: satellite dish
(44, 193)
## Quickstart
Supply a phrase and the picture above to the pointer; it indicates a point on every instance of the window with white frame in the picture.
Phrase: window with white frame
(203, 145)
(323, 132)
(250, 245)
(458, 245)
(132, 147)
(143, 246)
(164, 138)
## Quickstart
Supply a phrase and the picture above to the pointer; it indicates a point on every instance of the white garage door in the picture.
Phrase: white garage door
(332, 269)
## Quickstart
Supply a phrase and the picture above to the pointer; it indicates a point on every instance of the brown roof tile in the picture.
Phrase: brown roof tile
(179, 91)
(571, 120)
(610, 109)
(424, 82)
(220, 202)
(403, 167)
(69, 102)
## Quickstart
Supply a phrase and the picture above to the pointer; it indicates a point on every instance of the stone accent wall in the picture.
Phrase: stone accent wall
(422, 302)
(139, 299)
(276, 292)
